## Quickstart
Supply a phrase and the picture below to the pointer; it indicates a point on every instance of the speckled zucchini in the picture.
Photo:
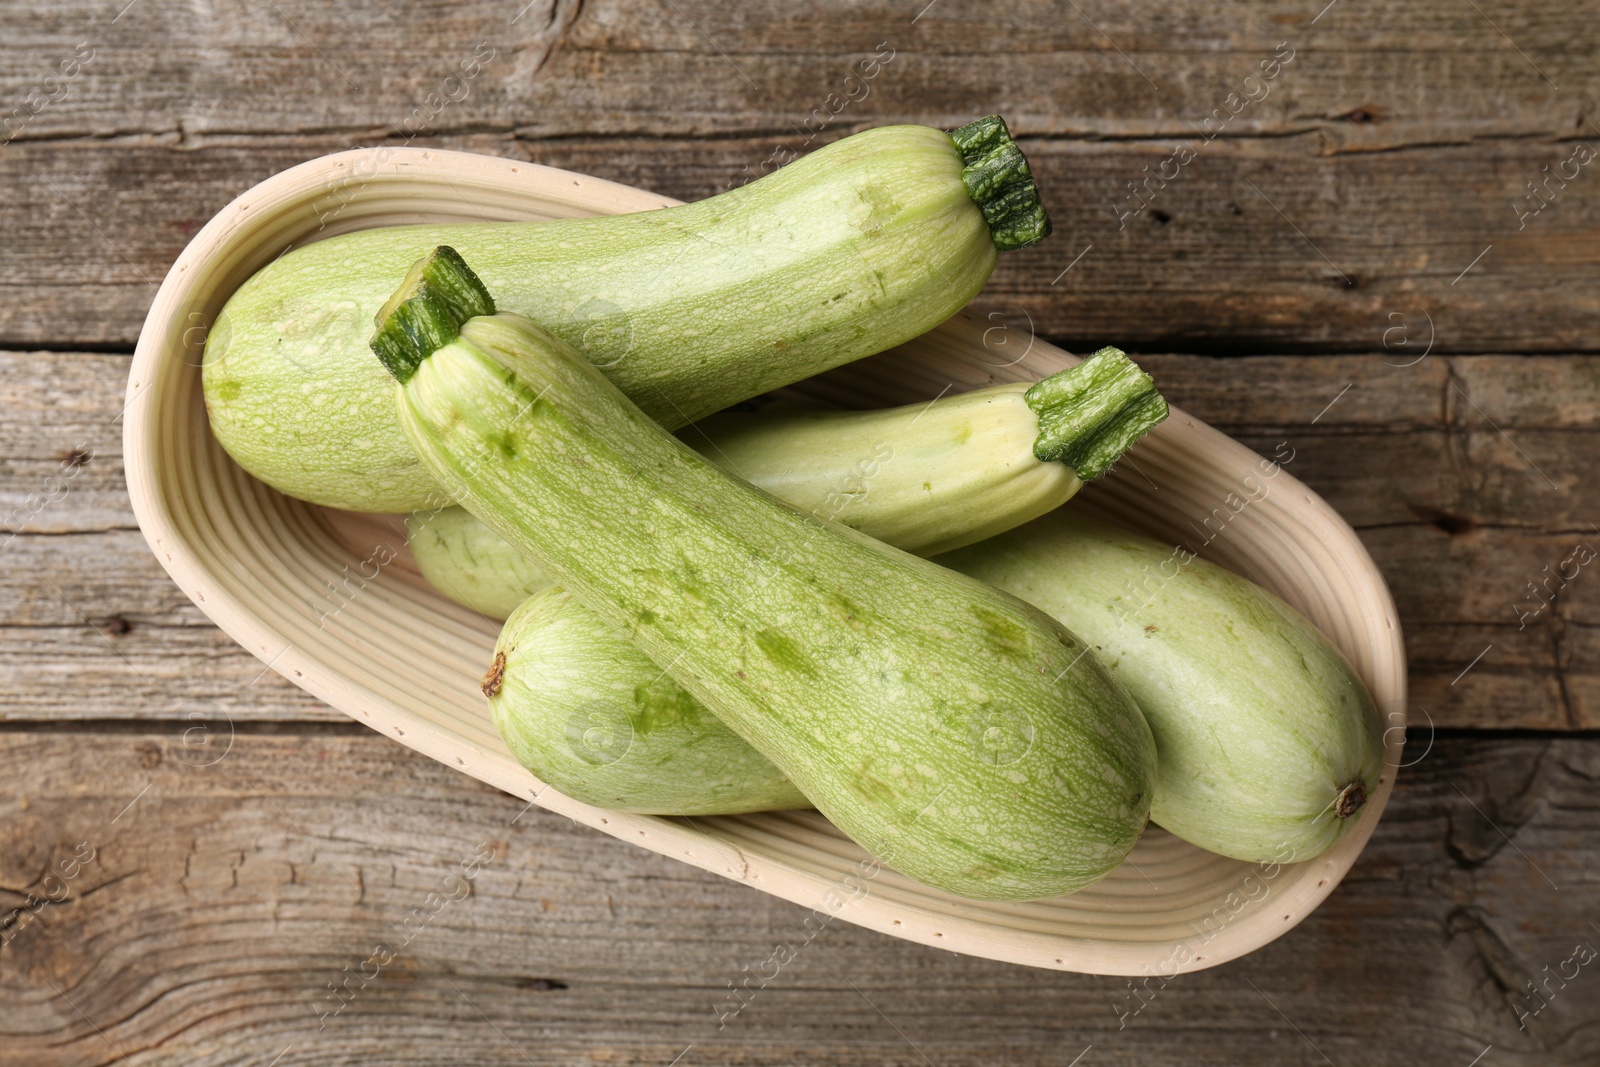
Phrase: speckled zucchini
(852, 249)
(964, 733)
(584, 710)
(571, 711)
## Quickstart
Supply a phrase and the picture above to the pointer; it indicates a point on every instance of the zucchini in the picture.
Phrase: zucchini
(603, 735)
(855, 248)
(926, 478)
(1267, 743)
(933, 718)
(470, 563)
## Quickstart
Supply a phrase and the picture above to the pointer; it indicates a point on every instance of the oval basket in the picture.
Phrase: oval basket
(393, 654)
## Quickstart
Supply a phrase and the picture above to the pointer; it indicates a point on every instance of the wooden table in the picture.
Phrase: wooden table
(1345, 256)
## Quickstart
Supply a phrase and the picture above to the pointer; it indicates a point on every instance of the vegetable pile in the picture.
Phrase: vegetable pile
(760, 626)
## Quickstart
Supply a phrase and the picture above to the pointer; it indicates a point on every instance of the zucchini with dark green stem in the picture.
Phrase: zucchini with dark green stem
(926, 478)
(925, 713)
(850, 250)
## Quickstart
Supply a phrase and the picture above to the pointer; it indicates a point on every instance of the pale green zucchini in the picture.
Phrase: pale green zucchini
(601, 735)
(962, 735)
(1267, 743)
(852, 249)
(470, 563)
(923, 478)
(926, 478)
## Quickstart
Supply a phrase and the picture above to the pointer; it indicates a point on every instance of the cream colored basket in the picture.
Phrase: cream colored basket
(406, 662)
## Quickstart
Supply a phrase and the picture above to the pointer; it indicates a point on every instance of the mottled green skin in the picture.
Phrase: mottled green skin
(629, 740)
(917, 477)
(924, 479)
(847, 251)
(1259, 721)
(961, 734)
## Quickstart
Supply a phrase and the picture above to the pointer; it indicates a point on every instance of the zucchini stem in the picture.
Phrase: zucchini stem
(439, 293)
(1000, 182)
(1089, 415)
(1350, 800)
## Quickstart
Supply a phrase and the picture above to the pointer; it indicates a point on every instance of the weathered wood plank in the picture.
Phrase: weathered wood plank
(62, 436)
(222, 900)
(114, 667)
(90, 626)
(59, 403)
(1256, 245)
(93, 652)
(1450, 498)
(1427, 73)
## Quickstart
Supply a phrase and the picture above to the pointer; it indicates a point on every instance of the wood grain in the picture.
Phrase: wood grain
(222, 900)
(1259, 245)
(1425, 73)
(90, 625)
(1451, 499)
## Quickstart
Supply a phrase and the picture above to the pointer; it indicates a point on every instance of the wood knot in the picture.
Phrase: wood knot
(497, 675)
(1455, 525)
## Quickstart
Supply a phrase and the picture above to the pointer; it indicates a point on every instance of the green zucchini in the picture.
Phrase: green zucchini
(470, 563)
(944, 725)
(1267, 743)
(852, 249)
(602, 735)
(926, 478)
